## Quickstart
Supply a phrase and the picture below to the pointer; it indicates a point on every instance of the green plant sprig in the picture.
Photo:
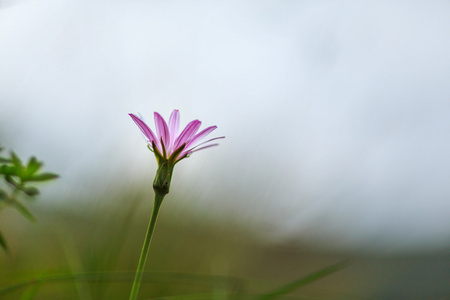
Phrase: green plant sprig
(18, 177)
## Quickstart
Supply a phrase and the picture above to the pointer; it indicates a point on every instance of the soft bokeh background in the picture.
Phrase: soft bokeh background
(336, 117)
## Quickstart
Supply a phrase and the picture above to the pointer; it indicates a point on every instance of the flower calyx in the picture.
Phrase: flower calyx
(163, 177)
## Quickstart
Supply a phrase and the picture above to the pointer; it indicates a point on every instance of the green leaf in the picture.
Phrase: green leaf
(3, 243)
(16, 161)
(43, 177)
(33, 166)
(31, 191)
(4, 160)
(24, 211)
(290, 287)
(10, 180)
(8, 170)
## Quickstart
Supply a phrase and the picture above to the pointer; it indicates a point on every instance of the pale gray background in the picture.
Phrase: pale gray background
(336, 113)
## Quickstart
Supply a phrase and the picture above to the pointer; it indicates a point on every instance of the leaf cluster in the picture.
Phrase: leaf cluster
(18, 177)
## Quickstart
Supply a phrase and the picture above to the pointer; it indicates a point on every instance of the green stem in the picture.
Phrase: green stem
(148, 238)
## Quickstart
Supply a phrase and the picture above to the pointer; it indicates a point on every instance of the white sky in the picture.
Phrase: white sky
(336, 113)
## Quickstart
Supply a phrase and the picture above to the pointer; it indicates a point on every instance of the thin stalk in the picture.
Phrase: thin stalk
(144, 253)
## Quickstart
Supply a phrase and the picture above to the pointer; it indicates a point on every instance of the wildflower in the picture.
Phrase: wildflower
(170, 146)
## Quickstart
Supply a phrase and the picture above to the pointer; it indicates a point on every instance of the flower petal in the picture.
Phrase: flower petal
(216, 138)
(145, 129)
(187, 132)
(187, 152)
(205, 147)
(200, 135)
(174, 128)
(193, 149)
(174, 125)
(162, 129)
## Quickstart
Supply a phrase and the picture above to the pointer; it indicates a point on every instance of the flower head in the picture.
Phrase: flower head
(169, 144)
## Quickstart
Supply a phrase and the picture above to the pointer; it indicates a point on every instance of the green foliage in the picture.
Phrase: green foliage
(17, 176)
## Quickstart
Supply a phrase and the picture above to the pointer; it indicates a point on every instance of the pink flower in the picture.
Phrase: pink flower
(168, 143)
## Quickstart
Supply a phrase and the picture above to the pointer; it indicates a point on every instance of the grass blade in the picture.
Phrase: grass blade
(3, 243)
(303, 281)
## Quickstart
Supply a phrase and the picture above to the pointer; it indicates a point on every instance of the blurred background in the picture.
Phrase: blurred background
(336, 117)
